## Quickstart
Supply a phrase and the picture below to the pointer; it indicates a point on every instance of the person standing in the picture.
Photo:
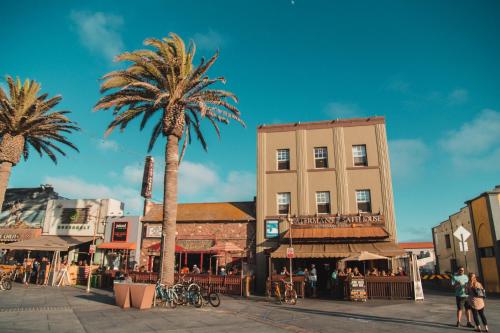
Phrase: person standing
(459, 282)
(313, 279)
(476, 293)
(43, 271)
(196, 270)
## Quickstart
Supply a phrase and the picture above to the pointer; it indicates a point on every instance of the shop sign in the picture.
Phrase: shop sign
(9, 237)
(290, 253)
(337, 220)
(272, 228)
(119, 232)
(92, 249)
(153, 231)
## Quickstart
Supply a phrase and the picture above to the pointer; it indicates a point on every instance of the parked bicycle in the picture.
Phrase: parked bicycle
(6, 279)
(188, 292)
(210, 297)
(166, 295)
(290, 296)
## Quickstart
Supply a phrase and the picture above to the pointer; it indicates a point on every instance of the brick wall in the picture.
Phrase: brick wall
(240, 233)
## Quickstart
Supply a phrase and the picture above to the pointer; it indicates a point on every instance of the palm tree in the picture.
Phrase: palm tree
(26, 120)
(164, 82)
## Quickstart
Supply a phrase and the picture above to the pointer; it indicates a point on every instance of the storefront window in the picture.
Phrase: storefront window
(323, 202)
(283, 203)
(363, 200)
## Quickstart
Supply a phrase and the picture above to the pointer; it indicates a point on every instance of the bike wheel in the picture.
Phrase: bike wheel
(197, 300)
(6, 284)
(213, 299)
(291, 297)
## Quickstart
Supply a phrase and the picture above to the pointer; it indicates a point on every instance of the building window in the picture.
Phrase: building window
(364, 201)
(320, 157)
(283, 157)
(323, 202)
(359, 155)
(447, 240)
(486, 252)
(283, 203)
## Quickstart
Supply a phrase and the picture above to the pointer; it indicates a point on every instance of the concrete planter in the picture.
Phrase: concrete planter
(141, 295)
(122, 294)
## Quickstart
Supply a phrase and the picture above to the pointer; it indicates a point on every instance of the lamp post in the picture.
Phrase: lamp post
(290, 223)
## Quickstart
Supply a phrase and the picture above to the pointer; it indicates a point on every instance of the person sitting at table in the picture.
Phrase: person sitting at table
(284, 271)
(299, 271)
(356, 272)
(400, 272)
(185, 270)
(383, 273)
(373, 272)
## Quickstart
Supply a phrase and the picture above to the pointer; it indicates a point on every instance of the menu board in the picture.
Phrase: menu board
(119, 232)
(357, 286)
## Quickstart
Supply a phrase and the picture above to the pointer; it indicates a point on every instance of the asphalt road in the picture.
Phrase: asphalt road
(70, 309)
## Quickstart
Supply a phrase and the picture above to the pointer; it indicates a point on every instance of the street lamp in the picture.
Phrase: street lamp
(290, 223)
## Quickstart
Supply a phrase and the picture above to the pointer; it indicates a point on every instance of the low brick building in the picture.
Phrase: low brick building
(200, 226)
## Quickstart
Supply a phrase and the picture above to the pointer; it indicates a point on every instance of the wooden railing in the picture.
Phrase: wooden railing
(229, 284)
(298, 284)
(391, 287)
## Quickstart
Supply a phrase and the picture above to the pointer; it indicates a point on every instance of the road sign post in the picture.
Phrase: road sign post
(462, 234)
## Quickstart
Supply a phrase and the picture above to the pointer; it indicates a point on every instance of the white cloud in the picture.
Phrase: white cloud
(198, 182)
(337, 110)
(408, 157)
(108, 145)
(212, 40)
(476, 144)
(76, 188)
(458, 96)
(99, 32)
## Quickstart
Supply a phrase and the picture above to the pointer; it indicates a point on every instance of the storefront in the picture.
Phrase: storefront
(12, 235)
(202, 230)
(121, 240)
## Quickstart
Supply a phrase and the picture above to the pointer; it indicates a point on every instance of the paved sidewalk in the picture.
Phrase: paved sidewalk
(70, 309)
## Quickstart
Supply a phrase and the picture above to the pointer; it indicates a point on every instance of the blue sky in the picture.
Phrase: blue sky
(432, 68)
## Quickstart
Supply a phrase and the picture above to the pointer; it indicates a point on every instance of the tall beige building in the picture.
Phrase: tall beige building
(334, 179)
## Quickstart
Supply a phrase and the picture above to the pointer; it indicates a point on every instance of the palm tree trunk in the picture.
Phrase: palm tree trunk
(5, 169)
(169, 211)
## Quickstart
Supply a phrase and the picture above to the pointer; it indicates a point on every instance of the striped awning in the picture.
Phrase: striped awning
(387, 249)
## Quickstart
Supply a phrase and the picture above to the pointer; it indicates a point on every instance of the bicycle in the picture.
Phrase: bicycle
(6, 280)
(188, 292)
(290, 296)
(210, 297)
(166, 295)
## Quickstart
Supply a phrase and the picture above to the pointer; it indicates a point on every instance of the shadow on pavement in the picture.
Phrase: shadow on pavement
(103, 299)
(370, 317)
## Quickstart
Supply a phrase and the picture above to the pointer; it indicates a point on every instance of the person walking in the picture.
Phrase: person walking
(459, 282)
(476, 293)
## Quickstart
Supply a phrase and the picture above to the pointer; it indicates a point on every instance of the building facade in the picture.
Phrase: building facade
(449, 254)
(22, 215)
(426, 257)
(200, 227)
(334, 179)
(485, 217)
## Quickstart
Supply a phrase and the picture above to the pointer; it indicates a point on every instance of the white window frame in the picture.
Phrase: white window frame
(359, 153)
(286, 195)
(361, 197)
(318, 202)
(280, 154)
(324, 155)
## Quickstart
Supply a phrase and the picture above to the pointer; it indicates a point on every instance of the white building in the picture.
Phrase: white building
(426, 257)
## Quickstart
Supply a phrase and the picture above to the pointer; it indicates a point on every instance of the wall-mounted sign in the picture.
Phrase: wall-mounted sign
(153, 231)
(120, 232)
(337, 220)
(272, 228)
(16, 235)
(74, 215)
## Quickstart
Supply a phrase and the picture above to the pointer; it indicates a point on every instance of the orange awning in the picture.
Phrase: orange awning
(359, 232)
(117, 246)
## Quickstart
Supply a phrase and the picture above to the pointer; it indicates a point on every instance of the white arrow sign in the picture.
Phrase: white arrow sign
(461, 233)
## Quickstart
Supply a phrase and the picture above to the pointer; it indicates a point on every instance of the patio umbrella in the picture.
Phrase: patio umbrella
(364, 256)
(226, 247)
